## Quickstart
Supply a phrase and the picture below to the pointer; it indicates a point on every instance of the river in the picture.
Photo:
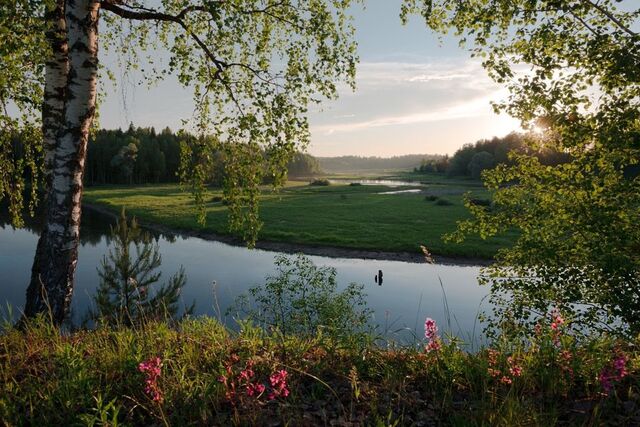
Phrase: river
(409, 293)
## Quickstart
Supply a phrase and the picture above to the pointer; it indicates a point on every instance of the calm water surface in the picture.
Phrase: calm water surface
(385, 182)
(409, 293)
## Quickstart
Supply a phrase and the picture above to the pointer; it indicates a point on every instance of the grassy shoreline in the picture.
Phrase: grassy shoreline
(295, 248)
(339, 219)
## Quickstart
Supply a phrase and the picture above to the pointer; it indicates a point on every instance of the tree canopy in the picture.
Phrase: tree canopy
(573, 71)
(23, 52)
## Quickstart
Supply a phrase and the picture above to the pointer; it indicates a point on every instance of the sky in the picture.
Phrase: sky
(414, 94)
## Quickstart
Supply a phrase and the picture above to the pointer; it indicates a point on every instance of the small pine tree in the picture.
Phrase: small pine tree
(125, 295)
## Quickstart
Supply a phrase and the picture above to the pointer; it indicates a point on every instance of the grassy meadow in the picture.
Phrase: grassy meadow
(339, 215)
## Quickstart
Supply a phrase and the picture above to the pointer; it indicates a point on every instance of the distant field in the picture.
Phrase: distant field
(346, 216)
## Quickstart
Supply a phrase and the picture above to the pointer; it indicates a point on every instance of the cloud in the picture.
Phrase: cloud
(426, 78)
(466, 72)
(407, 93)
(472, 108)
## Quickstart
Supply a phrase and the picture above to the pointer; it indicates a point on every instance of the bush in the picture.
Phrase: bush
(430, 198)
(302, 300)
(479, 162)
(480, 202)
(320, 182)
(355, 184)
(444, 202)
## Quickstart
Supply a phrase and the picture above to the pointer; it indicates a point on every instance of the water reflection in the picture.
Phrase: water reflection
(95, 226)
(385, 182)
(409, 294)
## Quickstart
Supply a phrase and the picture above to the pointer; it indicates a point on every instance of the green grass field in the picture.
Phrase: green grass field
(356, 217)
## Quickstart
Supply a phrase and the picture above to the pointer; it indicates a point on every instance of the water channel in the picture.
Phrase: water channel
(410, 291)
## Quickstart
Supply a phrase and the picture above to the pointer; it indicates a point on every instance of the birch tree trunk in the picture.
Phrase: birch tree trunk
(56, 258)
(56, 73)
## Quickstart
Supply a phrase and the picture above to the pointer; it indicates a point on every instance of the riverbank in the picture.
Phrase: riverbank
(293, 248)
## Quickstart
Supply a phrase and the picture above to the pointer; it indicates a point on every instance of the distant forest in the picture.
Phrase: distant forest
(144, 156)
(471, 159)
(468, 161)
(346, 164)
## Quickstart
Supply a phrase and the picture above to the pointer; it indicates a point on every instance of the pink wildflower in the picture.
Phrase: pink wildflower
(505, 380)
(278, 382)
(430, 328)
(605, 380)
(538, 329)
(556, 319)
(434, 345)
(492, 356)
(514, 369)
(152, 368)
(620, 365)
(494, 372)
(431, 334)
(246, 375)
(616, 371)
(255, 389)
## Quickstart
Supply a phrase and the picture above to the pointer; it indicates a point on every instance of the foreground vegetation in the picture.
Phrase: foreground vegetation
(198, 372)
(356, 217)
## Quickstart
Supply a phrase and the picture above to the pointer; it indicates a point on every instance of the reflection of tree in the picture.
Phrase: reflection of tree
(129, 292)
(95, 226)
(171, 238)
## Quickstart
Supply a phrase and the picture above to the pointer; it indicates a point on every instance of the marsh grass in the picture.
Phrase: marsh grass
(345, 216)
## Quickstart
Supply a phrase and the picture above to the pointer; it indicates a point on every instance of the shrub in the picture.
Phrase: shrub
(443, 202)
(480, 202)
(430, 198)
(320, 182)
(302, 300)
(355, 184)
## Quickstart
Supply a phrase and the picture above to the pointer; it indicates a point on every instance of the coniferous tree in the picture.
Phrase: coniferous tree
(128, 293)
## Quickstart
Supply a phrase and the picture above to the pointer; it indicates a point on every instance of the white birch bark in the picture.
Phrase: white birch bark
(58, 256)
(56, 73)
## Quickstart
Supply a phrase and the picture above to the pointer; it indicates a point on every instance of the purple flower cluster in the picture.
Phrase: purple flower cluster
(431, 334)
(615, 372)
(246, 380)
(152, 368)
(278, 382)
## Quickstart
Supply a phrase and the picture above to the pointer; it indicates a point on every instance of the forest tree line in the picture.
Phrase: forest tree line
(144, 156)
(471, 159)
(344, 164)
